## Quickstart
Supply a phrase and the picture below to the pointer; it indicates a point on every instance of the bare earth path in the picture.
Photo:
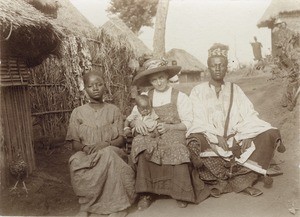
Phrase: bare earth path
(50, 192)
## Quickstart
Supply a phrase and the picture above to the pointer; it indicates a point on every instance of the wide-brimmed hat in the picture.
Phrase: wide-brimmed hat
(151, 67)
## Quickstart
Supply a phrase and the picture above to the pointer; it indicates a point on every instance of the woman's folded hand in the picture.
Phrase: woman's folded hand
(163, 127)
(89, 149)
(93, 148)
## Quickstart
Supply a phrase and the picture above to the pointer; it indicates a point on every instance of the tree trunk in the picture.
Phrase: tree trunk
(160, 28)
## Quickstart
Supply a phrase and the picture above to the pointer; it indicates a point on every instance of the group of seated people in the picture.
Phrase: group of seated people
(186, 147)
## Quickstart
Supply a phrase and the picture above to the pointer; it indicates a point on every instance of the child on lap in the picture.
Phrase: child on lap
(144, 112)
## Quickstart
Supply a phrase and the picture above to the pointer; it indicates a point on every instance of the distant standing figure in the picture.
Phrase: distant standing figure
(175, 78)
(256, 47)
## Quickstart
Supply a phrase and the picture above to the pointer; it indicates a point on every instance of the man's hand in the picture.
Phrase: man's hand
(140, 127)
(246, 143)
(222, 143)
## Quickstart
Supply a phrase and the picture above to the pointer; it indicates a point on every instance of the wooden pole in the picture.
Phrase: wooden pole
(160, 28)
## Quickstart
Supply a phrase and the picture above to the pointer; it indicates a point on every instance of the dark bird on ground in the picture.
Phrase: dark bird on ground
(19, 169)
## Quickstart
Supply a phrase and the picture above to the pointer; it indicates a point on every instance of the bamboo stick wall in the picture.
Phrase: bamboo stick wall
(2, 152)
(13, 72)
(17, 127)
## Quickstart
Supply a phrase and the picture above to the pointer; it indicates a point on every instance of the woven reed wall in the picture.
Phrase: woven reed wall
(54, 91)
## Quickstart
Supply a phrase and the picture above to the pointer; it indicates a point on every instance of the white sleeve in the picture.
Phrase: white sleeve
(133, 115)
(185, 110)
(250, 124)
(246, 107)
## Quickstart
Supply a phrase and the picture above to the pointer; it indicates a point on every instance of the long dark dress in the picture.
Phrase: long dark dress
(173, 179)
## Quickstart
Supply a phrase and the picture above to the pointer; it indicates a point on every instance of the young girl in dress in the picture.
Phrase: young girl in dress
(95, 130)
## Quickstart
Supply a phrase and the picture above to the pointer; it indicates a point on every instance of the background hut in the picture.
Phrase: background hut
(27, 39)
(283, 18)
(123, 65)
(116, 28)
(287, 11)
(191, 66)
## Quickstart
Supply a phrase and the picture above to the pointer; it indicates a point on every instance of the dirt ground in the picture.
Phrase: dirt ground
(51, 194)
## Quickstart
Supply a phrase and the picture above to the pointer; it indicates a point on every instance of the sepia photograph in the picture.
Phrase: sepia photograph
(150, 108)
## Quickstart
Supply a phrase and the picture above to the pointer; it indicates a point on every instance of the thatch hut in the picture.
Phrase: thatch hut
(116, 28)
(283, 18)
(28, 37)
(191, 66)
(284, 11)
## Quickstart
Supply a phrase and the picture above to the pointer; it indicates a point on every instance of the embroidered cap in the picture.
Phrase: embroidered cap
(218, 50)
(151, 67)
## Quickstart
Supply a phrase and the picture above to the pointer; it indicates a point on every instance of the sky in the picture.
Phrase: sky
(194, 25)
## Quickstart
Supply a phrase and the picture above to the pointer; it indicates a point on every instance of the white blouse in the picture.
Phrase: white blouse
(184, 105)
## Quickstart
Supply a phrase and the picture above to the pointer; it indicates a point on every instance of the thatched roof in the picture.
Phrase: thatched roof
(117, 29)
(26, 32)
(288, 9)
(187, 61)
(67, 16)
(72, 20)
(47, 7)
